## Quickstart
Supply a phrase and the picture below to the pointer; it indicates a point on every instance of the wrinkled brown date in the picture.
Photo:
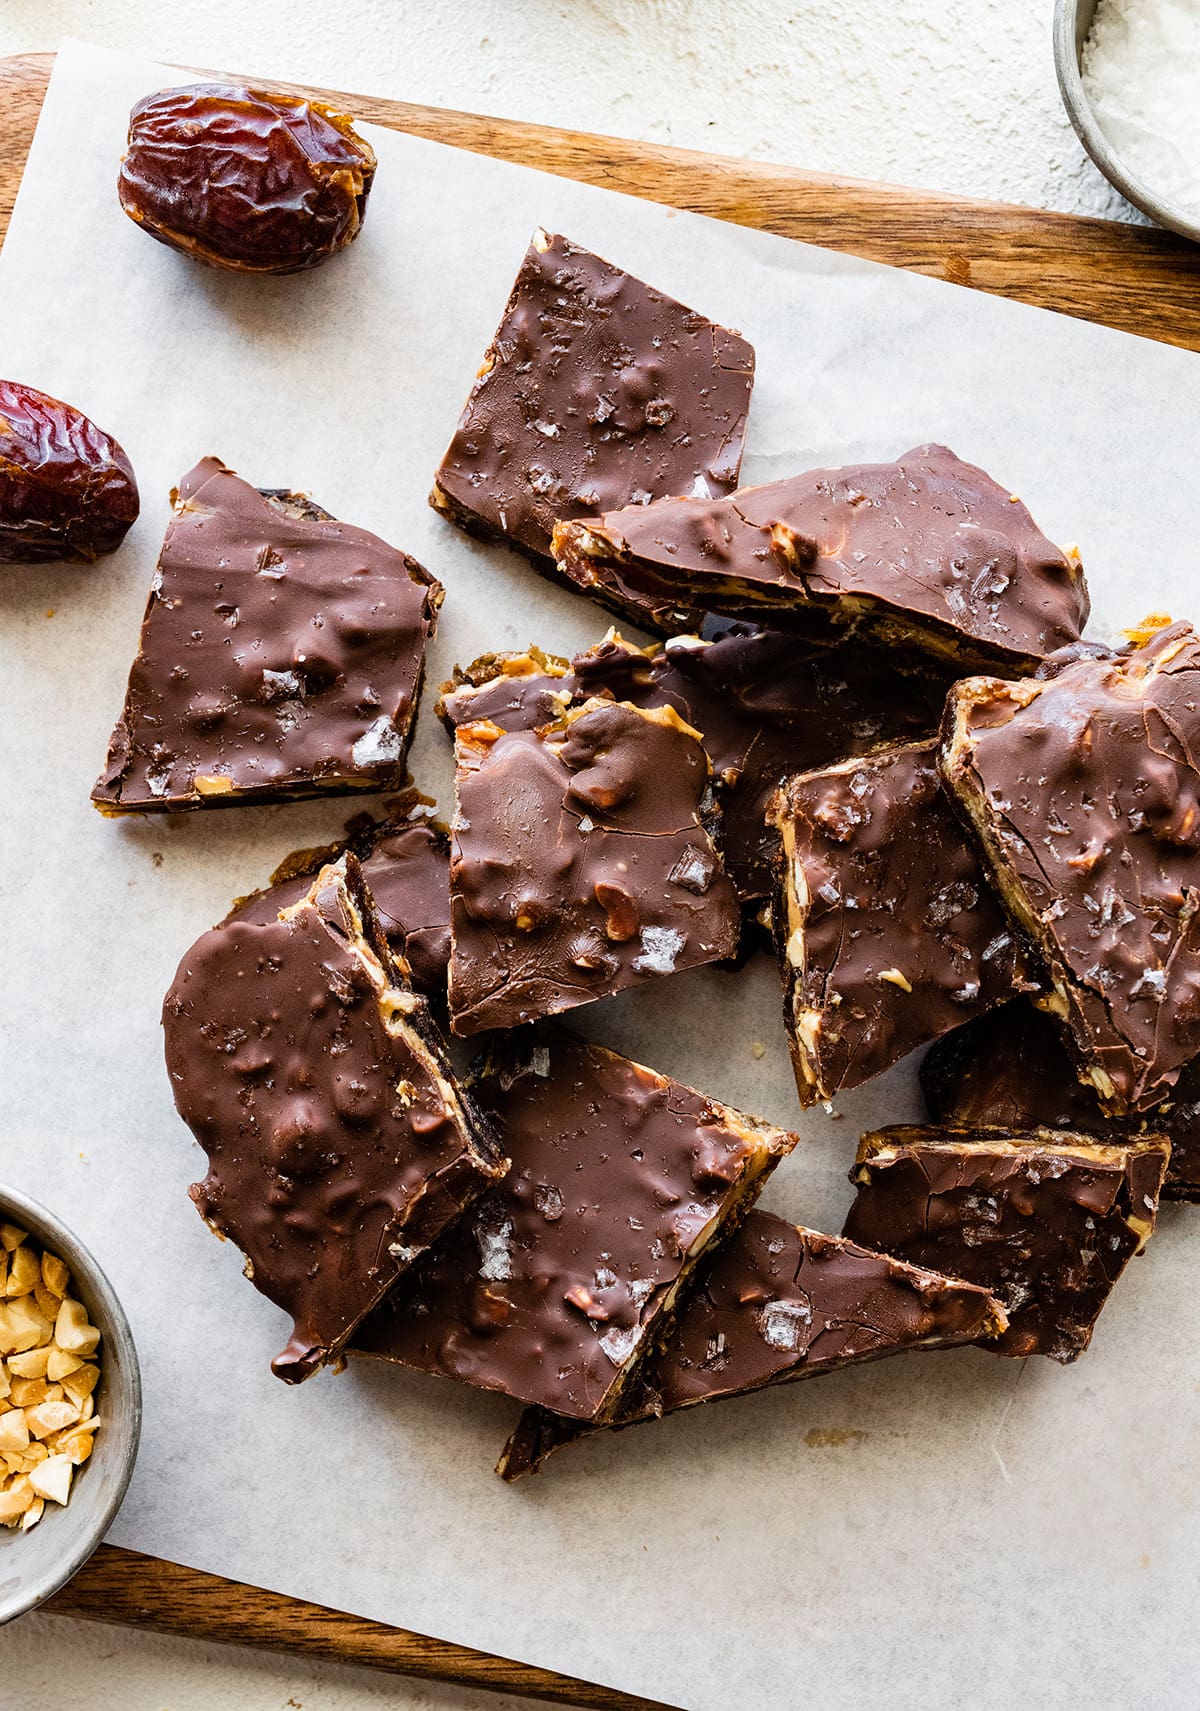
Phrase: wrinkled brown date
(67, 491)
(245, 179)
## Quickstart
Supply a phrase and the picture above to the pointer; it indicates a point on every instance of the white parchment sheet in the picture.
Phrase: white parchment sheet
(937, 1531)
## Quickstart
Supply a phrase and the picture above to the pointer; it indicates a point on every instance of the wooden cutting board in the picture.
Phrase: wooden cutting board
(1141, 280)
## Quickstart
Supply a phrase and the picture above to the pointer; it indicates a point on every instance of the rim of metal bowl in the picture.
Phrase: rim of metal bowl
(1079, 110)
(54, 1234)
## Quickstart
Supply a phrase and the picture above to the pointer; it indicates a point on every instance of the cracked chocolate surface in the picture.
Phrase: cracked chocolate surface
(1011, 1069)
(338, 1143)
(1044, 1219)
(406, 865)
(780, 1303)
(927, 552)
(581, 863)
(281, 655)
(552, 1288)
(596, 391)
(887, 931)
(1084, 792)
(765, 702)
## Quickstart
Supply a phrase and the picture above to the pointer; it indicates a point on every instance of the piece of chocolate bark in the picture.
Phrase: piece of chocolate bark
(554, 1287)
(405, 861)
(766, 703)
(927, 553)
(281, 655)
(338, 1144)
(1011, 1069)
(886, 929)
(596, 391)
(581, 863)
(1083, 790)
(1045, 1219)
(780, 1303)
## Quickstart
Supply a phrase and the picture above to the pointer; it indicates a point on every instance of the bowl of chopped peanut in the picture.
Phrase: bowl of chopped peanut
(70, 1404)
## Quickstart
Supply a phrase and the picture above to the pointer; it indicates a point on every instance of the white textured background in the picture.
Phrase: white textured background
(954, 94)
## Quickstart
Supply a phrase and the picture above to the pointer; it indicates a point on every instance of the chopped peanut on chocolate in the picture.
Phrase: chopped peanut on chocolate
(48, 1372)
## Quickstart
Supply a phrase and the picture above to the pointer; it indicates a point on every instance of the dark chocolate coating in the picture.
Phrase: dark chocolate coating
(1084, 792)
(281, 655)
(338, 1144)
(780, 1303)
(1044, 1219)
(406, 865)
(596, 391)
(927, 552)
(886, 929)
(552, 1288)
(581, 864)
(1011, 1069)
(767, 703)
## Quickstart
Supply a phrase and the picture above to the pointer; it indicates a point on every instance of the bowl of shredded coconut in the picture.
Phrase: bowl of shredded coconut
(1129, 71)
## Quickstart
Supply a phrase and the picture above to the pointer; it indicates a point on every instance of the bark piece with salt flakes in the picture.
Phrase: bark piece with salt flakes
(555, 1286)
(596, 391)
(927, 553)
(582, 863)
(1046, 1219)
(281, 655)
(887, 931)
(1083, 789)
(780, 1303)
(339, 1145)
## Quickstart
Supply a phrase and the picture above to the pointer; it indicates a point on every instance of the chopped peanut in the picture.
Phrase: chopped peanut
(48, 1375)
(72, 1331)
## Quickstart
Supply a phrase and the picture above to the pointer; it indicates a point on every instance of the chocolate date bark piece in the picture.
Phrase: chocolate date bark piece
(248, 179)
(1012, 1069)
(405, 863)
(581, 863)
(886, 929)
(780, 1303)
(596, 391)
(1045, 1219)
(927, 552)
(67, 489)
(281, 655)
(554, 1286)
(338, 1143)
(1084, 793)
(517, 691)
(766, 704)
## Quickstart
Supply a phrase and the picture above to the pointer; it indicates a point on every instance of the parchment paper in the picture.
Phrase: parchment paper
(944, 1531)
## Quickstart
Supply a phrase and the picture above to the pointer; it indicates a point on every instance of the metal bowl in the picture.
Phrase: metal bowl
(1072, 21)
(35, 1564)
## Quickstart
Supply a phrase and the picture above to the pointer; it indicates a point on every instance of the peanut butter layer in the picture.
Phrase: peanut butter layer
(780, 1303)
(926, 552)
(582, 863)
(554, 1287)
(338, 1144)
(887, 931)
(1083, 789)
(405, 863)
(766, 704)
(596, 391)
(281, 655)
(1045, 1220)
(1011, 1069)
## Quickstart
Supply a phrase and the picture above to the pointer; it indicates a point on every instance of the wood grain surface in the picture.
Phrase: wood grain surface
(1141, 280)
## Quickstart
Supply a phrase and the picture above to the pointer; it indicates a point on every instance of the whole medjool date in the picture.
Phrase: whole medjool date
(245, 178)
(67, 490)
